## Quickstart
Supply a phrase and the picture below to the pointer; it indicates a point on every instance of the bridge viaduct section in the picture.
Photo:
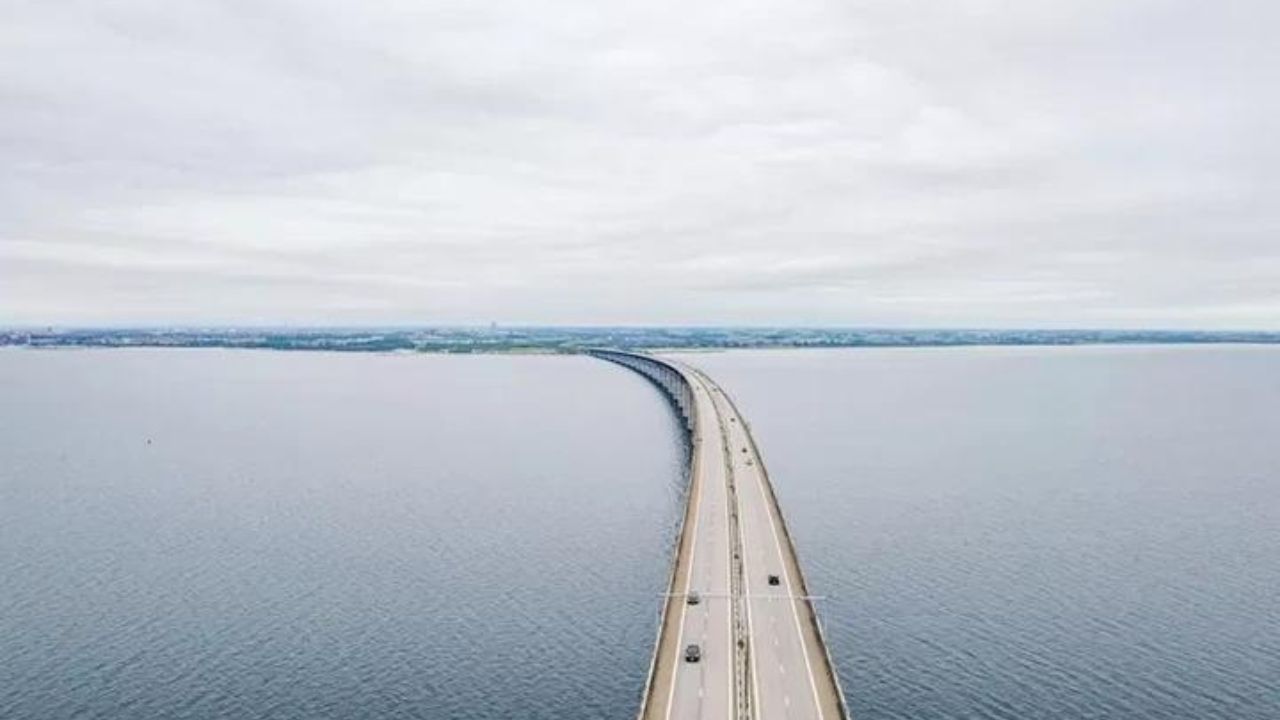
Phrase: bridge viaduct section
(663, 374)
(736, 590)
(666, 652)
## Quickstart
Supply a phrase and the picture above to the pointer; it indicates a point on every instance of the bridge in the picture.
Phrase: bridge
(736, 589)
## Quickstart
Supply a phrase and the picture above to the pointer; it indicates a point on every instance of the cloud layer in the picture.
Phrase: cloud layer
(883, 162)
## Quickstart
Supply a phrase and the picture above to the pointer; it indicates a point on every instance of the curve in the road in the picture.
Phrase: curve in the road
(763, 652)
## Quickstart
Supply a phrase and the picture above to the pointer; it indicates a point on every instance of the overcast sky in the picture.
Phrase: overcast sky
(1088, 163)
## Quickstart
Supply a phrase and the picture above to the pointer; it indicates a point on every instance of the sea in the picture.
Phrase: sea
(1011, 532)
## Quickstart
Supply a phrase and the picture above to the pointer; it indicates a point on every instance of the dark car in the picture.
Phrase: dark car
(773, 580)
(693, 653)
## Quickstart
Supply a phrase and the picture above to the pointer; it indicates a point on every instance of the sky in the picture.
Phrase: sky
(969, 163)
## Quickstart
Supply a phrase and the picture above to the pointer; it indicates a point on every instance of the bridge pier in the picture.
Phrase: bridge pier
(671, 381)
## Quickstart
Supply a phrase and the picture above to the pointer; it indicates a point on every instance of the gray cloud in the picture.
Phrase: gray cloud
(974, 163)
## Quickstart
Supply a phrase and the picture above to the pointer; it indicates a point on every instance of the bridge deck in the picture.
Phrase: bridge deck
(763, 654)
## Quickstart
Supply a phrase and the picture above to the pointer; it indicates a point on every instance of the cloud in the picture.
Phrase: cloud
(976, 163)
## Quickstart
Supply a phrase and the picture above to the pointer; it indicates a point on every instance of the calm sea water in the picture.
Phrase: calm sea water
(999, 533)
(220, 534)
(1034, 532)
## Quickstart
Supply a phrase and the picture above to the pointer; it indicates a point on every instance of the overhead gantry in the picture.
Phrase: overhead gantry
(736, 590)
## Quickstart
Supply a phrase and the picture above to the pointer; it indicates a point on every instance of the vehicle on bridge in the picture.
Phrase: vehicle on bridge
(773, 580)
(693, 653)
(694, 598)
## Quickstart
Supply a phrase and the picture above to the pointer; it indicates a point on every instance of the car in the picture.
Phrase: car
(773, 580)
(693, 597)
(693, 653)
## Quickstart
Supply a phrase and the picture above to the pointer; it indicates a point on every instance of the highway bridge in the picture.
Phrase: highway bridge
(762, 651)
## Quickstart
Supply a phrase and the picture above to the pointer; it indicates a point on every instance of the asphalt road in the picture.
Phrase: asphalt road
(705, 689)
(787, 663)
(786, 675)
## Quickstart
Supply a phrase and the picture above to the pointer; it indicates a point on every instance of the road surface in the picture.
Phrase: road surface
(762, 654)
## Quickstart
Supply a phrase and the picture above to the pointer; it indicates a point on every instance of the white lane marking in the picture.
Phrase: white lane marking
(786, 574)
(731, 656)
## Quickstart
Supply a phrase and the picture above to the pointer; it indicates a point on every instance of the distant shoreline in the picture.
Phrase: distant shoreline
(569, 340)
